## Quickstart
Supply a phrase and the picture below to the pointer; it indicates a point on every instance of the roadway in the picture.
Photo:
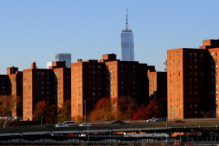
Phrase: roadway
(131, 126)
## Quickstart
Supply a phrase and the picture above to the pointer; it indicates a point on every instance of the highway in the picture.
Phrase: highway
(131, 126)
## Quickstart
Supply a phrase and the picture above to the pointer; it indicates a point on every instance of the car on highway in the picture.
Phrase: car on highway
(152, 120)
(118, 122)
(178, 121)
(49, 125)
(65, 124)
(162, 119)
(85, 124)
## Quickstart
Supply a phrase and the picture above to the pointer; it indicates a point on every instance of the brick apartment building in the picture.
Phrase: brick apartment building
(157, 85)
(52, 85)
(11, 84)
(192, 81)
(108, 77)
(16, 89)
(87, 85)
(36, 87)
(61, 82)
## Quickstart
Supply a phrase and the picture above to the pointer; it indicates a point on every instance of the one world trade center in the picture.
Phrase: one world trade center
(127, 43)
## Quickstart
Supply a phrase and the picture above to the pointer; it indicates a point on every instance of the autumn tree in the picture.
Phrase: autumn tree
(140, 113)
(156, 108)
(65, 112)
(46, 112)
(108, 109)
(102, 111)
(79, 119)
(126, 108)
(8, 104)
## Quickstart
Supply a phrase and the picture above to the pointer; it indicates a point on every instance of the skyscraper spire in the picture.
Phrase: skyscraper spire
(127, 17)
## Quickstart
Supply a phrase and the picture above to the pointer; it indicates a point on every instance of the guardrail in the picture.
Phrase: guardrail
(166, 142)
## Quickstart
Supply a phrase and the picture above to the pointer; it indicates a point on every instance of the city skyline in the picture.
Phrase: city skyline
(37, 30)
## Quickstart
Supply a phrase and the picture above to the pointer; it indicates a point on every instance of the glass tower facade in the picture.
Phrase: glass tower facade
(64, 57)
(127, 46)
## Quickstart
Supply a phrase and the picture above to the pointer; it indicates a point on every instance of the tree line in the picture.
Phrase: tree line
(106, 109)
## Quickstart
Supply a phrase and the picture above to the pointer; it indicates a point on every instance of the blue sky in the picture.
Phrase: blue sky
(37, 30)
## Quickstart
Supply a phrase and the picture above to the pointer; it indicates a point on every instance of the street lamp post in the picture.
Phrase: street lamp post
(85, 107)
(167, 130)
(85, 111)
(41, 118)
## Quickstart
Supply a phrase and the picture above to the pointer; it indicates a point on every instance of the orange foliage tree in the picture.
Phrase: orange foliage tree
(140, 113)
(102, 111)
(126, 108)
(8, 105)
(108, 109)
(156, 108)
(65, 112)
(47, 112)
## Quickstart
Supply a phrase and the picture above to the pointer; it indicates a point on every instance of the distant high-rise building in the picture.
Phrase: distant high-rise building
(127, 43)
(165, 65)
(64, 57)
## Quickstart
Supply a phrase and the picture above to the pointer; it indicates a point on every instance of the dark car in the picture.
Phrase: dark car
(49, 125)
(118, 122)
(162, 119)
(178, 121)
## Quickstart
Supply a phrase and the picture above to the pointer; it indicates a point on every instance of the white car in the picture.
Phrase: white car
(65, 124)
(152, 120)
(85, 124)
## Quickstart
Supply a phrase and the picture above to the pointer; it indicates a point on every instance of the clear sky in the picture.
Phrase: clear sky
(35, 30)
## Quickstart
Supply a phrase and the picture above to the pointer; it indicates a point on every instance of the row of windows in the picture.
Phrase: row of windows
(26, 103)
(175, 99)
(176, 60)
(173, 93)
(172, 74)
(175, 112)
(212, 54)
(175, 106)
(79, 67)
(175, 54)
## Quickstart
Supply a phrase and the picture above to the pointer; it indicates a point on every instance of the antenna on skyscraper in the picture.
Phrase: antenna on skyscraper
(126, 17)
